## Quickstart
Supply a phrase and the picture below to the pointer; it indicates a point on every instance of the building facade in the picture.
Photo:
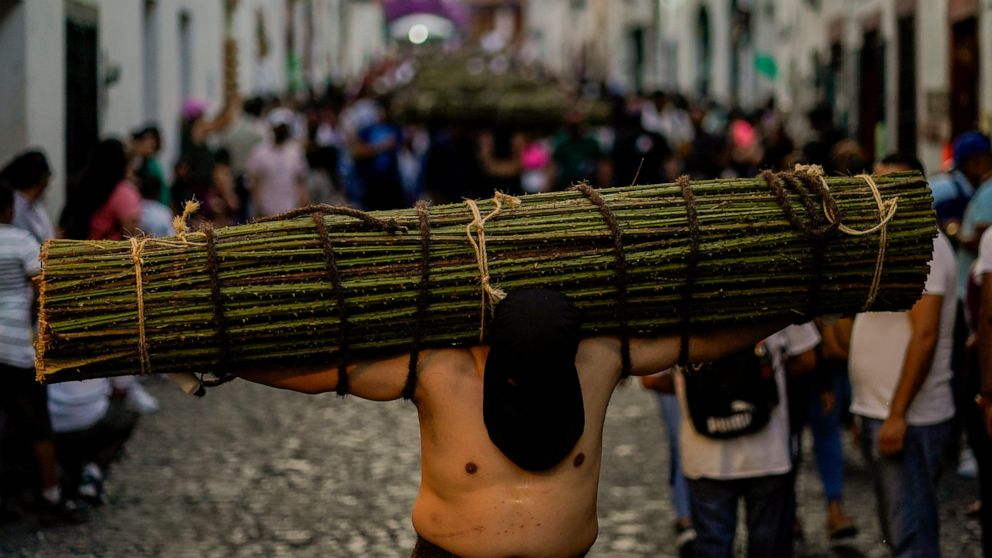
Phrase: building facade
(76, 70)
(601, 40)
(899, 74)
(904, 75)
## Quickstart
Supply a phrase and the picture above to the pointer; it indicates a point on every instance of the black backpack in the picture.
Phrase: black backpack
(733, 396)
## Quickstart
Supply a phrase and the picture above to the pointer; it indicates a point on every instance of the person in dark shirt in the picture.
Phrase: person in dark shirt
(576, 155)
(639, 156)
(376, 155)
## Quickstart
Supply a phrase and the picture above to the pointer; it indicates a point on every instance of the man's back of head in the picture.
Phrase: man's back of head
(532, 401)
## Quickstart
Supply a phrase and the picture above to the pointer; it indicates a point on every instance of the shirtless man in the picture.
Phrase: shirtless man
(512, 432)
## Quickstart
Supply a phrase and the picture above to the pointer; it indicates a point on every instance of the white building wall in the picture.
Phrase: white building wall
(933, 78)
(12, 67)
(680, 24)
(720, 43)
(366, 36)
(32, 61)
(37, 74)
(985, 58)
(595, 39)
(547, 26)
(45, 107)
(261, 74)
(122, 104)
(32, 39)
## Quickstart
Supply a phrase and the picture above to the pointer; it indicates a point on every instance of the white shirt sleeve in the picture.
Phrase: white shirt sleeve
(942, 268)
(983, 264)
(29, 256)
(800, 338)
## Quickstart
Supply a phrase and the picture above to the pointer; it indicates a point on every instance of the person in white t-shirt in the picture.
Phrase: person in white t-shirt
(754, 467)
(978, 419)
(900, 366)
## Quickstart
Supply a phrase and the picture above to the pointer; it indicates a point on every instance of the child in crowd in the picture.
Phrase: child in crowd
(22, 400)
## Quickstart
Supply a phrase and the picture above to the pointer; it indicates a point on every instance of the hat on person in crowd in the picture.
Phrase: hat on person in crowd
(969, 144)
(280, 117)
(194, 108)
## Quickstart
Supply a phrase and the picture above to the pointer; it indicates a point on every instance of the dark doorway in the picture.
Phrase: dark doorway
(871, 109)
(906, 119)
(964, 76)
(82, 126)
(185, 55)
(832, 75)
(637, 57)
(704, 51)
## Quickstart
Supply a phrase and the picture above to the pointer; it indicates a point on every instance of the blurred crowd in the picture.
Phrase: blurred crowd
(909, 384)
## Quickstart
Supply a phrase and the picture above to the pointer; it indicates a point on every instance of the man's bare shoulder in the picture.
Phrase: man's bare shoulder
(598, 352)
(448, 362)
(456, 358)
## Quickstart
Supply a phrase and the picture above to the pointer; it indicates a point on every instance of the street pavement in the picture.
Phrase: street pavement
(250, 471)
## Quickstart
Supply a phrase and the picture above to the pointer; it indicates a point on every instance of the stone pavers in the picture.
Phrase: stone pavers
(256, 472)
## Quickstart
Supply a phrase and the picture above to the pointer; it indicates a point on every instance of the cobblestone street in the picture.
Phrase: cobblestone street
(256, 472)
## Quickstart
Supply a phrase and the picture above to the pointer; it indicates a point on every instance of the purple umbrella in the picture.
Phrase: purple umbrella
(453, 10)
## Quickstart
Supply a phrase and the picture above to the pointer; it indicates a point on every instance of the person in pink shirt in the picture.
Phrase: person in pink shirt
(277, 169)
(103, 204)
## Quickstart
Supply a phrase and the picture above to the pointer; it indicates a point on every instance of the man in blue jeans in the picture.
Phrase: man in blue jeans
(754, 467)
(900, 366)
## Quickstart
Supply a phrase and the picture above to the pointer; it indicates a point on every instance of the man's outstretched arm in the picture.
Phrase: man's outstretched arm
(376, 380)
(649, 355)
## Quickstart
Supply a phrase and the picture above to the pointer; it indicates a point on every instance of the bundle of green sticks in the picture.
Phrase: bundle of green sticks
(467, 91)
(325, 284)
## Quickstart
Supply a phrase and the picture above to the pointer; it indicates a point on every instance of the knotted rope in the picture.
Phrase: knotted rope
(490, 295)
(886, 211)
(886, 208)
(180, 223)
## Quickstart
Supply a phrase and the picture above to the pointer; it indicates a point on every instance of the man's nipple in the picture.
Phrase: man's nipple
(471, 468)
(579, 459)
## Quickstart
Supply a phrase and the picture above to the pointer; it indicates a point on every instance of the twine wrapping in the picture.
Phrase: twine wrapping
(180, 224)
(137, 245)
(490, 295)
